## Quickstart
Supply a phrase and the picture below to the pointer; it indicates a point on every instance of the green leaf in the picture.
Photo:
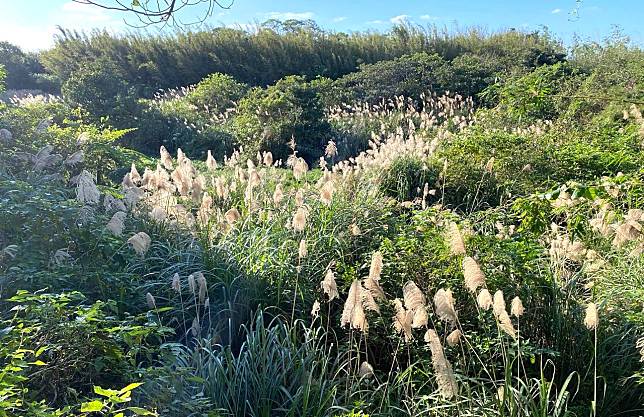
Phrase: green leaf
(141, 411)
(38, 363)
(129, 388)
(105, 392)
(92, 406)
(136, 3)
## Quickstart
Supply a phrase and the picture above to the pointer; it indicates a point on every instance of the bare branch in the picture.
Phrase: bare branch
(152, 12)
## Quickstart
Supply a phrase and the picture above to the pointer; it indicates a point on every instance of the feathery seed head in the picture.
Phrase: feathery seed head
(140, 242)
(474, 277)
(516, 307)
(592, 317)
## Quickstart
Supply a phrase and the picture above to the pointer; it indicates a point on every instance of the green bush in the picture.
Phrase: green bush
(268, 119)
(101, 90)
(217, 92)
(176, 124)
(24, 70)
(469, 74)
(78, 345)
(409, 75)
(535, 96)
(406, 177)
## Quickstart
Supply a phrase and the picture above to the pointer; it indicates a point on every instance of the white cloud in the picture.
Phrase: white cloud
(77, 13)
(70, 15)
(428, 17)
(29, 38)
(555, 11)
(290, 15)
(399, 19)
(376, 22)
(339, 19)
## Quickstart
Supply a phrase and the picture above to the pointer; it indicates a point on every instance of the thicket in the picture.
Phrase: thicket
(268, 54)
(24, 70)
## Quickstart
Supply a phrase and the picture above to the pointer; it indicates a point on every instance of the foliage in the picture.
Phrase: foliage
(268, 119)
(100, 90)
(217, 92)
(258, 286)
(264, 56)
(24, 70)
(280, 369)
(408, 75)
(3, 76)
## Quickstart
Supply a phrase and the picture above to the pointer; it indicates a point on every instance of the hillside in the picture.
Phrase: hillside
(296, 222)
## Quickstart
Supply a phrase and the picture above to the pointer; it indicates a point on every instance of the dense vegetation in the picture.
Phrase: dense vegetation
(306, 223)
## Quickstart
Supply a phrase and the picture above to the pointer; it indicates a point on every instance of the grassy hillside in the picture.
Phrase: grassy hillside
(441, 232)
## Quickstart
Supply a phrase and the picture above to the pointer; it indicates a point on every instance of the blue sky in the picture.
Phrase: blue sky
(32, 23)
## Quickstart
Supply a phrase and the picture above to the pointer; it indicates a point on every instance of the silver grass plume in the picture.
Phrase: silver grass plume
(592, 317)
(152, 304)
(444, 306)
(86, 190)
(415, 302)
(516, 307)
(502, 315)
(176, 283)
(116, 223)
(353, 312)
(302, 249)
(454, 337)
(455, 240)
(484, 299)
(366, 370)
(315, 310)
(329, 286)
(211, 163)
(442, 368)
(474, 277)
(403, 319)
(140, 243)
(166, 159)
(375, 269)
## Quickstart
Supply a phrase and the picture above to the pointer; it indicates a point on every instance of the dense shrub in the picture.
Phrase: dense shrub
(409, 75)
(469, 74)
(268, 119)
(406, 177)
(534, 96)
(3, 76)
(217, 92)
(262, 57)
(24, 70)
(101, 90)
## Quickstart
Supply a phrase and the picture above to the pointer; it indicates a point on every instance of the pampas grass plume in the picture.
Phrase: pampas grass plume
(152, 304)
(442, 368)
(516, 307)
(473, 275)
(329, 286)
(592, 317)
(140, 243)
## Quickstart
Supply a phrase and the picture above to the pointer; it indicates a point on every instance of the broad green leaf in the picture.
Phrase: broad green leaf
(105, 392)
(92, 406)
(141, 411)
(130, 387)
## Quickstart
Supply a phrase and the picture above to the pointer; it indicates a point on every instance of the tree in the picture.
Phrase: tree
(19, 66)
(151, 12)
(101, 90)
